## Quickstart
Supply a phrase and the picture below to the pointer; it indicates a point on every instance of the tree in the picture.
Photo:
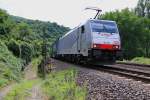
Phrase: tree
(134, 32)
(24, 31)
(5, 24)
(143, 8)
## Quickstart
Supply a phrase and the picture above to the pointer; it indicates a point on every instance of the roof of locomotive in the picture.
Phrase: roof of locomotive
(100, 20)
(83, 23)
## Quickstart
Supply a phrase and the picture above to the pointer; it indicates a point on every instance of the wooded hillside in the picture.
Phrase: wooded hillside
(21, 40)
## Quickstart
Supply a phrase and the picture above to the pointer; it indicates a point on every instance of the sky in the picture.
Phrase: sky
(64, 12)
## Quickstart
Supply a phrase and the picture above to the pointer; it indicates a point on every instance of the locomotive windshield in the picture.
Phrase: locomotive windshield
(103, 26)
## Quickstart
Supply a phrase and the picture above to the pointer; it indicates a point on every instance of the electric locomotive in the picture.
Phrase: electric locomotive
(95, 41)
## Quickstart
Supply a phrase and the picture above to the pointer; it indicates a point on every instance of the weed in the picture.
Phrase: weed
(62, 86)
(141, 60)
(20, 90)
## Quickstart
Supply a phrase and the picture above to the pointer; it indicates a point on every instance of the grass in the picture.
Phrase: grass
(138, 60)
(35, 62)
(20, 90)
(57, 86)
(62, 86)
(3, 82)
(141, 60)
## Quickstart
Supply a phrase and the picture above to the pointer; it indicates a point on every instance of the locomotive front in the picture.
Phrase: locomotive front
(106, 43)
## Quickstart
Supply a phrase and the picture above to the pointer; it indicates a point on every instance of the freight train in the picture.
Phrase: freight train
(94, 41)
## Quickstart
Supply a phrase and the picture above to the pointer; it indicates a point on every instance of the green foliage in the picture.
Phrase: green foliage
(26, 51)
(134, 31)
(14, 47)
(4, 20)
(141, 60)
(22, 32)
(34, 32)
(42, 29)
(35, 62)
(143, 8)
(24, 37)
(10, 66)
(22, 89)
(21, 49)
(37, 45)
(64, 86)
(3, 82)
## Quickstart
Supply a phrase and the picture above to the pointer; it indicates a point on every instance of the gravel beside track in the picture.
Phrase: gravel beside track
(105, 86)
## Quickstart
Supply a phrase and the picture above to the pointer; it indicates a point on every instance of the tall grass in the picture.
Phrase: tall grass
(141, 60)
(20, 90)
(62, 86)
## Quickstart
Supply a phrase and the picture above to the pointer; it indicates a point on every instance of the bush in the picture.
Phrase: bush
(10, 66)
(141, 60)
(14, 47)
(37, 45)
(21, 50)
(26, 52)
(62, 86)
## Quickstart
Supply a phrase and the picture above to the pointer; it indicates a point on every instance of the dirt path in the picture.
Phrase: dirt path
(30, 73)
(35, 92)
(5, 90)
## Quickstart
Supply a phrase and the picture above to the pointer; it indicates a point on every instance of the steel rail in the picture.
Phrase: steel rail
(139, 75)
(135, 64)
(135, 74)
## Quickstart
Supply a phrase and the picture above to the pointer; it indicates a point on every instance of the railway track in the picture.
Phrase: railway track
(137, 72)
(135, 64)
(102, 82)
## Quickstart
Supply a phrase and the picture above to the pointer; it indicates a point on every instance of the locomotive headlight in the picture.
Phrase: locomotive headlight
(94, 46)
(116, 46)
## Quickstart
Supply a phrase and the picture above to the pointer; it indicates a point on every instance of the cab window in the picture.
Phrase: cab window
(82, 29)
(103, 26)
